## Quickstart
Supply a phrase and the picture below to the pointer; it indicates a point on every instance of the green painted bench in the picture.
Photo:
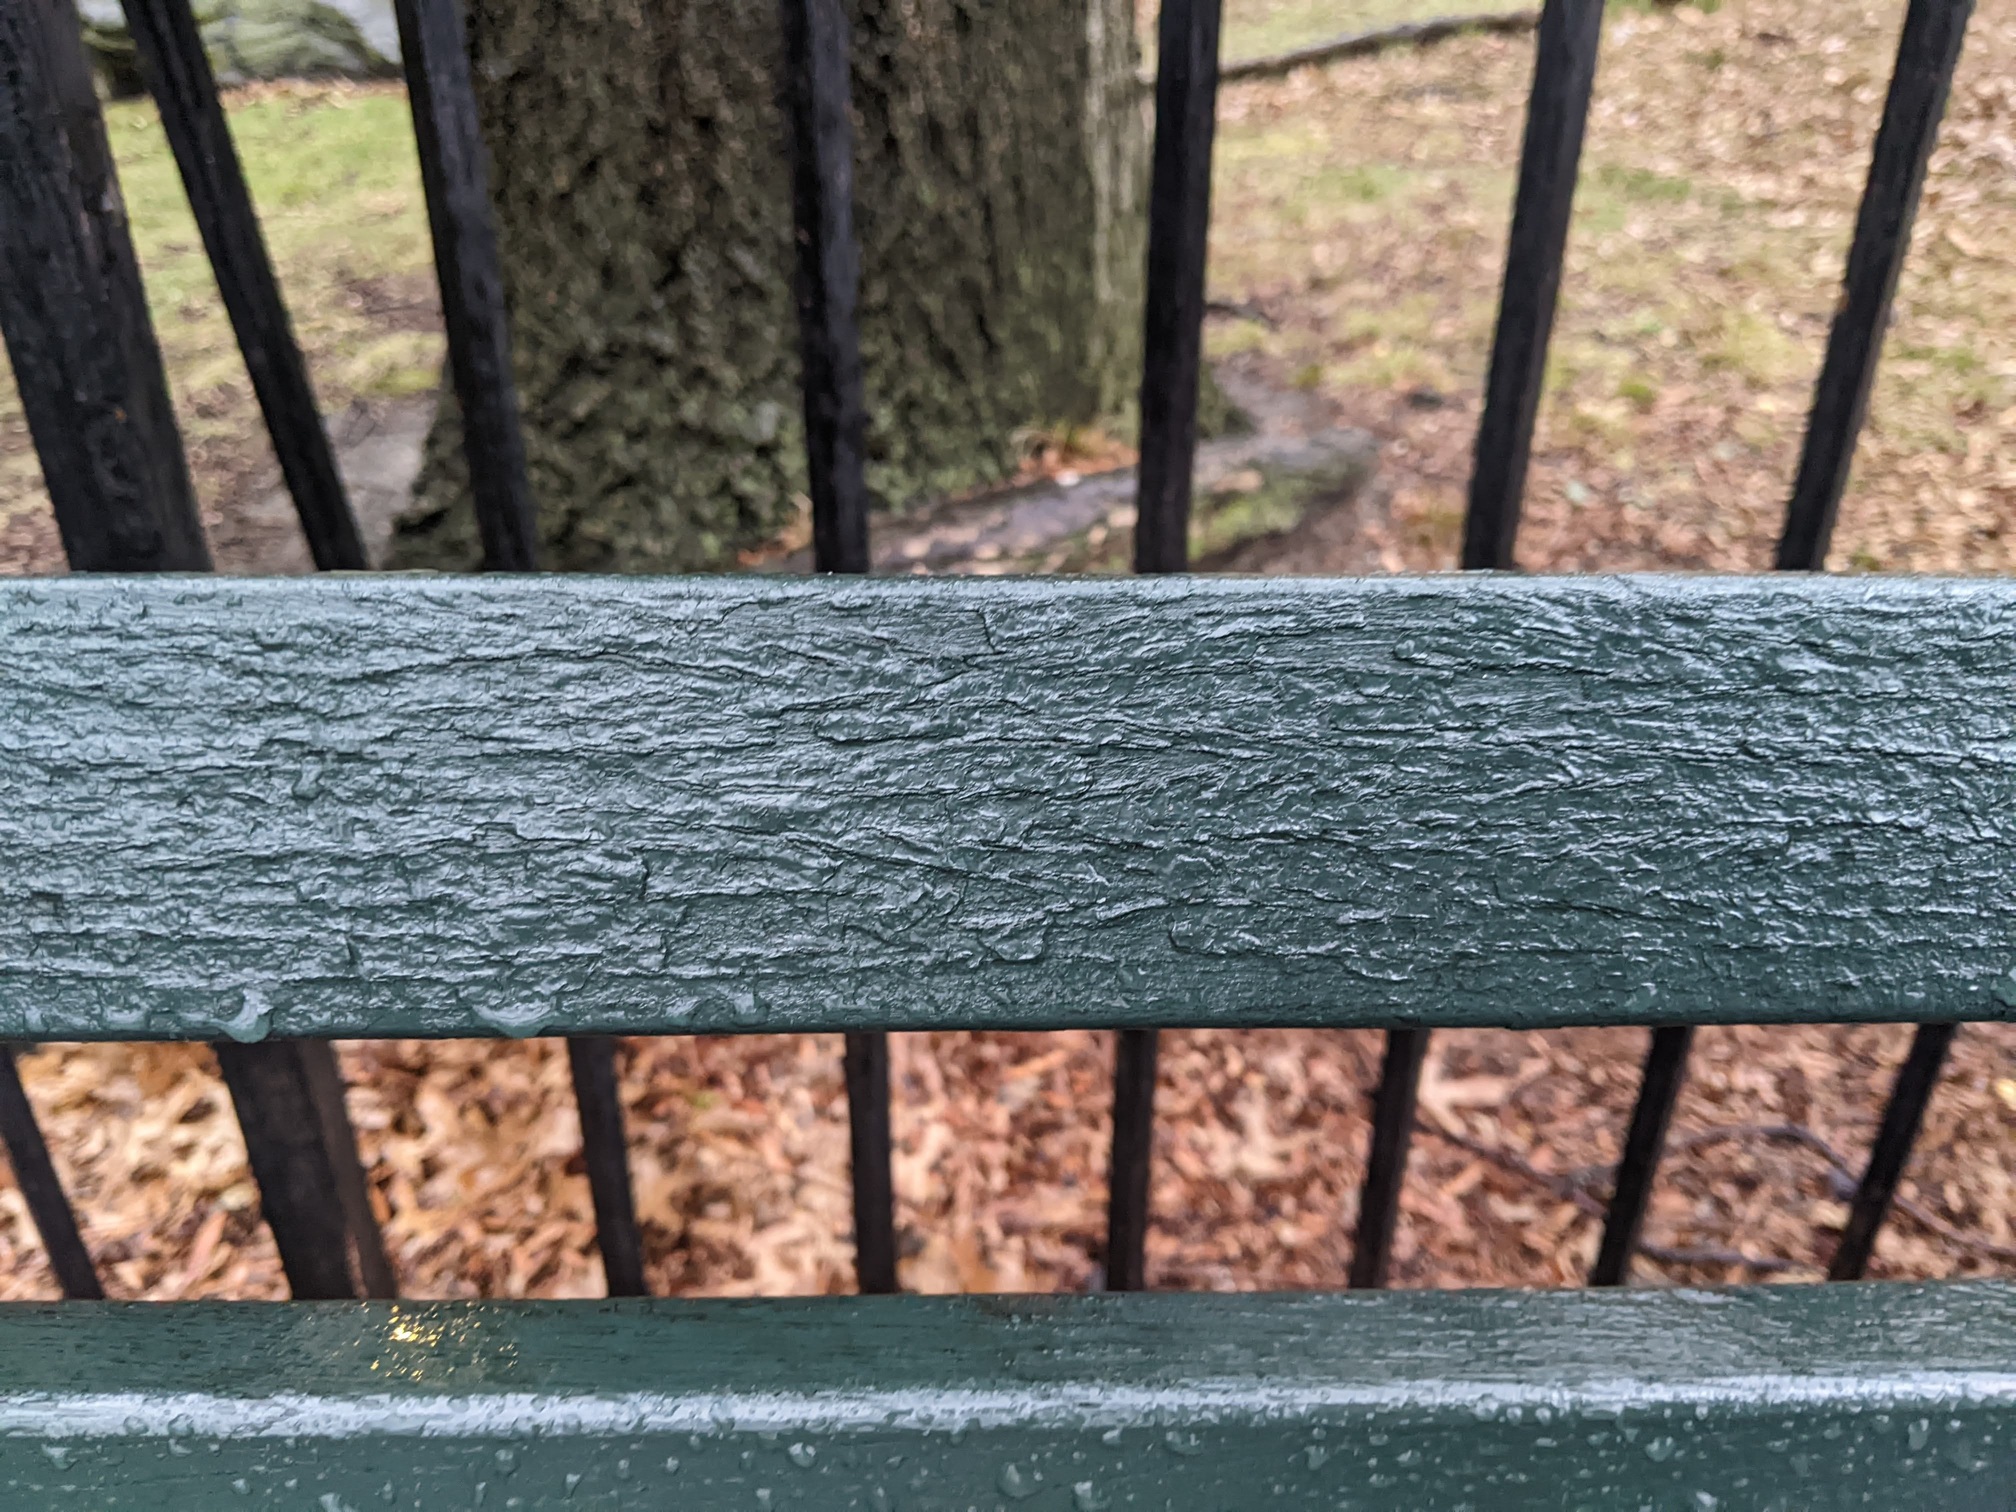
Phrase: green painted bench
(357, 807)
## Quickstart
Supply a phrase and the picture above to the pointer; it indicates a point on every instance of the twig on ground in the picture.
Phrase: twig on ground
(1241, 309)
(1571, 1188)
(1511, 1160)
(1846, 1180)
(1660, 1254)
(1364, 43)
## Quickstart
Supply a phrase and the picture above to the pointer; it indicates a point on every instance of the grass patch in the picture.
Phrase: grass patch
(1639, 185)
(336, 180)
(1753, 347)
(1256, 28)
(1365, 205)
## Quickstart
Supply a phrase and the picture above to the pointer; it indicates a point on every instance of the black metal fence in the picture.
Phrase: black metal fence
(92, 384)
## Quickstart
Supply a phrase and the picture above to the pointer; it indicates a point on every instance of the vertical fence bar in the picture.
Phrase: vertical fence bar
(89, 370)
(1566, 45)
(455, 177)
(324, 1078)
(1564, 76)
(1913, 1089)
(1658, 1090)
(1386, 1162)
(1172, 358)
(75, 314)
(1659, 1087)
(177, 70)
(178, 75)
(817, 96)
(1927, 55)
(42, 1190)
(1136, 1053)
(290, 1159)
(1179, 226)
(1928, 52)
(591, 1060)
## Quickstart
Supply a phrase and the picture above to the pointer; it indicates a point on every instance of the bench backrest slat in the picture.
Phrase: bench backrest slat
(536, 806)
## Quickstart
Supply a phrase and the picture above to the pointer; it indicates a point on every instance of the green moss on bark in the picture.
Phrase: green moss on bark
(644, 208)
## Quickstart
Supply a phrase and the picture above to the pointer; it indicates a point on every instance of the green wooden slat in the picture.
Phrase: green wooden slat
(434, 806)
(1855, 1396)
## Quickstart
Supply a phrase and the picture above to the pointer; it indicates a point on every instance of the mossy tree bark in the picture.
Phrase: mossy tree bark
(644, 208)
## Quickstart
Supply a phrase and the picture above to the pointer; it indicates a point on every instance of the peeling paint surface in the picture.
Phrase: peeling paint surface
(417, 806)
(1785, 1397)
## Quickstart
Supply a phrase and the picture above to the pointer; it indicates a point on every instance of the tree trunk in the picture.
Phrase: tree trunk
(644, 209)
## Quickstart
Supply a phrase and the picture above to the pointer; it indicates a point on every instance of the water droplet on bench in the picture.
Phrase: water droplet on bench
(1016, 1482)
(802, 1455)
(253, 1020)
(515, 1020)
(1086, 1497)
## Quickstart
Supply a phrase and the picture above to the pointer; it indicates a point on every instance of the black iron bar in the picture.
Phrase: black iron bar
(91, 379)
(1564, 76)
(75, 314)
(291, 1162)
(1927, 54)
(42, 1189)
(1386, 1162)
(866, 1067)
(817, 97)
(1566, 45)
(177, 70)
(1658, 1090)
(1172, 361)
(592, 1061)
(455, 177)
(818, 91)
(1928, 51)
(324, 1078)
(178, 75)
(1179, 224)
(1135, 1055)
(1916, 1080)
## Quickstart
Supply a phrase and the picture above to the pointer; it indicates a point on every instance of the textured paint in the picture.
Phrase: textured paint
(1775, 1398)
(362, 806)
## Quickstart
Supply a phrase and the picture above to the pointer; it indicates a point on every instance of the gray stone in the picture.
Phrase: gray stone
(260, 39)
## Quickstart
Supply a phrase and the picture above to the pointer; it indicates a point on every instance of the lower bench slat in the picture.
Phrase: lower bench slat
(1788, 1398)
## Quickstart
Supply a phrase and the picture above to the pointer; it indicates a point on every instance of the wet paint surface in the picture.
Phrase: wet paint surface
(1780, 1398)
(412, 806)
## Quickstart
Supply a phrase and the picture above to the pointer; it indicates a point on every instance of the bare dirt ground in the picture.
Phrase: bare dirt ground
(1361, 214)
